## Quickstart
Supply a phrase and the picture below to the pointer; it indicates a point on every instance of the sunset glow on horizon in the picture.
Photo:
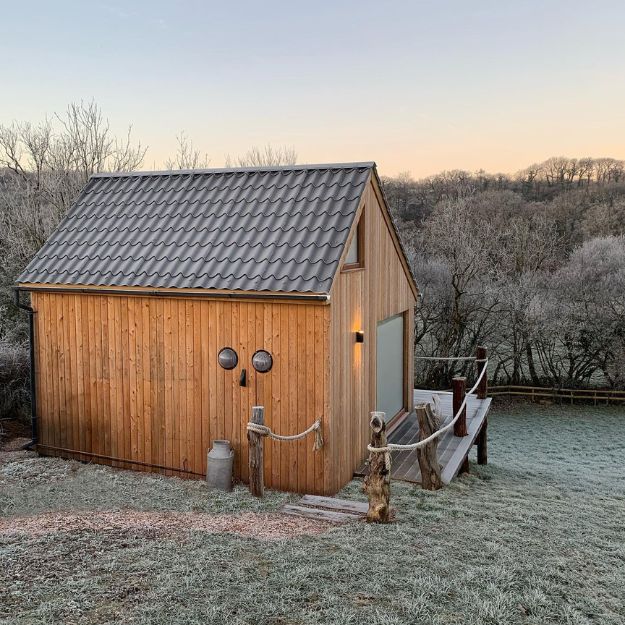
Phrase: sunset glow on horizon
(418, 87)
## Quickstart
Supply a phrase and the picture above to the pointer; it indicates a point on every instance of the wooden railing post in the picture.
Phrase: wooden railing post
(255, 453)
(459, 386)
(482, 443)
(428, 454)
(482, 389)
(378, 480)
(482, 393)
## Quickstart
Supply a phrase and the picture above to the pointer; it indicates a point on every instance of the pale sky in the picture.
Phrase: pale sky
(417, 86)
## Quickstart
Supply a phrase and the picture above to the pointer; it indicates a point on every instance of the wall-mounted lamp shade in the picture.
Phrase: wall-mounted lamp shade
(228, 358)
(262, 361)
(360, 336)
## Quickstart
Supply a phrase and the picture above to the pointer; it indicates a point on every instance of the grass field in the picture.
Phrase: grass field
(536, 537)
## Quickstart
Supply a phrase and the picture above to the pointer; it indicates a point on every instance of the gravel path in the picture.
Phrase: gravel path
(265, 526)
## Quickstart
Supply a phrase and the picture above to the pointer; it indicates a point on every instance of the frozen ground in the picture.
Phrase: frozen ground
(536, 537)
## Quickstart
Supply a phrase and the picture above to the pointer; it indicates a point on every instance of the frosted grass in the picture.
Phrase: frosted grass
(536, 537)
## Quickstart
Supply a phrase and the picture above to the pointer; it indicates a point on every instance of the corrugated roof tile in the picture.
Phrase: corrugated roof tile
(267, 229)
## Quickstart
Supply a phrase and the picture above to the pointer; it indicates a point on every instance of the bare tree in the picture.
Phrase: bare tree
(580, 315)
(524, 248)
(187, 156)
(605, 219)
(45, 167)
(461, 301)
(264, 157)
(609, 170)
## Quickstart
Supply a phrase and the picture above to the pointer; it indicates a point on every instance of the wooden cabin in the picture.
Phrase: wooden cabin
(167, 304)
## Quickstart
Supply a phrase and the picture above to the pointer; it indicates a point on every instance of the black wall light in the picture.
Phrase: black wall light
(360, 336)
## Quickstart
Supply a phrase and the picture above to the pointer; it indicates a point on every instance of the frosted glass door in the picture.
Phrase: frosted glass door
(390, 366)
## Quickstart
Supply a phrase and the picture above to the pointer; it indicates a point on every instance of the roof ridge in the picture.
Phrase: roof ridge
(235, 170)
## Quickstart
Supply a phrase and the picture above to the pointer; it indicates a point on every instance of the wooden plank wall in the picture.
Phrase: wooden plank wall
(360, 298)
(137, 379)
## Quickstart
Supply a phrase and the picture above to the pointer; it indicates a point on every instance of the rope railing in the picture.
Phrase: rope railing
(265, 430)
(425, 441)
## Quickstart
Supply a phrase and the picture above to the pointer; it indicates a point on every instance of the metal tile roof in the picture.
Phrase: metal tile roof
(264, 229)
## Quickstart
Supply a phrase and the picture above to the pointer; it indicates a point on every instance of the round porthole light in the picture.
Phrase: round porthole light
(262, 361)
(228, 358)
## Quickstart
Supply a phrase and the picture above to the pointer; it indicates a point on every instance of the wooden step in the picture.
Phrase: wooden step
(331, 503)
(319, 514)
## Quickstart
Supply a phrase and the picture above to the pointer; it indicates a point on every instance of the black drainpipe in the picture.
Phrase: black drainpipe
(33, 389)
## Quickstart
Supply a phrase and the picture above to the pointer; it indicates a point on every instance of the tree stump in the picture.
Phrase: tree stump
(378, 481)
(255, 453)
(428, 454)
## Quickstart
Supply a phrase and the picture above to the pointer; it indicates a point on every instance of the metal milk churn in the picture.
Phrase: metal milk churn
(219, 466)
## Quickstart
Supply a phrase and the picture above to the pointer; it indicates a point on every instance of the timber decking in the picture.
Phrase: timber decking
(327, 509)
(451, 449)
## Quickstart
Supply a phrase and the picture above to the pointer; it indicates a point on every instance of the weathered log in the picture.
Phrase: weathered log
(378, 480)
(428, 454)
(459, 386)
(255, 453)
(482, 444)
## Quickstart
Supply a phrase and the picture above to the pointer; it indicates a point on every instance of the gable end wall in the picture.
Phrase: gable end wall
(359, 299)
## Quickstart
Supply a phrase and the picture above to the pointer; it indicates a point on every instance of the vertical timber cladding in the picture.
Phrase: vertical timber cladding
(137, 379)
(359, 299)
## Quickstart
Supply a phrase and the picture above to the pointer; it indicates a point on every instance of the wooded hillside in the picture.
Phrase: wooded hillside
(531, 265)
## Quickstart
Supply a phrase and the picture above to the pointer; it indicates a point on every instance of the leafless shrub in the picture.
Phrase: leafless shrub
(14, 381)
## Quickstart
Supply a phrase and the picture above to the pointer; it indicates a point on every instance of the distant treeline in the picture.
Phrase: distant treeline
(530, 265)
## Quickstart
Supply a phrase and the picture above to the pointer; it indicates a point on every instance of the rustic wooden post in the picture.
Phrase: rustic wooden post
(428, 454)
(482, 389)
(459, 386)
(255, 453)
(378, 480)
(482, 393)
(482, 444)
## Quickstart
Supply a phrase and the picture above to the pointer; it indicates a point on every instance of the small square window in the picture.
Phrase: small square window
(354, 257)
(352, 252)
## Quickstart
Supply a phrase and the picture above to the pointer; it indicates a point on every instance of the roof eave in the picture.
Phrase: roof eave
(172, 292)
